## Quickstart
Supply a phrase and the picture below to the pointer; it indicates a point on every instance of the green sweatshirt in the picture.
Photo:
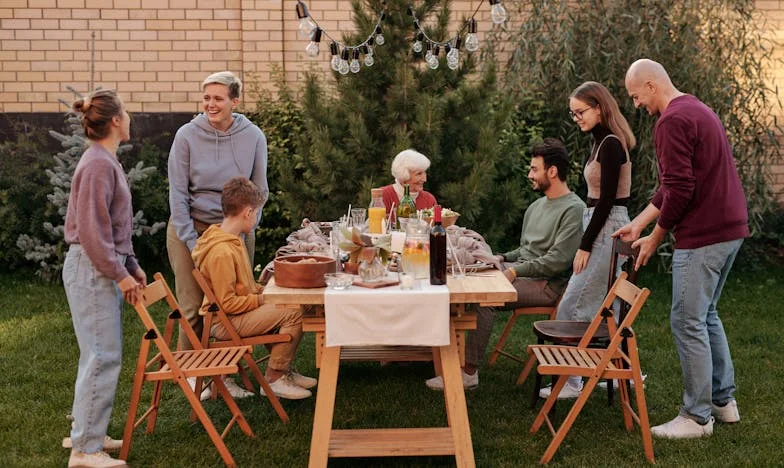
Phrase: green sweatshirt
(552, 229)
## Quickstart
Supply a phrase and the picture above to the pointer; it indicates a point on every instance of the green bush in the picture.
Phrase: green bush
(23, 190)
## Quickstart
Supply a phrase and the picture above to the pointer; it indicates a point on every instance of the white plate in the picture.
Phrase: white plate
(478, 266)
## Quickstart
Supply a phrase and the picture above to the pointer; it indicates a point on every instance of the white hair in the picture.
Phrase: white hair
(408, 160)
(227, 79)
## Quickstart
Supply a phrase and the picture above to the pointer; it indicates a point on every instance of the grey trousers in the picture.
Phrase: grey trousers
(531, 292)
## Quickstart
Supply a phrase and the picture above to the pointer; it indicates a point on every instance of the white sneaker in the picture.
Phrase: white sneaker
(568, 392)
(109, 444)
(302, 380)
(93, 460)
(285, 387)
(726, 414)
(603, 383)
(206, 390)
(683, 428)
(235, 390)
(470, 382)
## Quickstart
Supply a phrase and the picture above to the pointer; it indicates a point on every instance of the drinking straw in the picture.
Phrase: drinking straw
(454, 256)
(389, 218)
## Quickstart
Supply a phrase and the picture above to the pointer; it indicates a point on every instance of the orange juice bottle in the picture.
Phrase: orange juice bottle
(376, 212)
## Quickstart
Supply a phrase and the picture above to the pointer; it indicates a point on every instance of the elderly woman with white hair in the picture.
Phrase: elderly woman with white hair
(409, 167)
(216, 146)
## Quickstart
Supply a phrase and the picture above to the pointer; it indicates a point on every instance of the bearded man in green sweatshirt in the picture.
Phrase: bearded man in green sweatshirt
(539, 269)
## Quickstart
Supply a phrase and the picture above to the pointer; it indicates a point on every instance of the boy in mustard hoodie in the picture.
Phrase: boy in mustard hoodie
(221, 256)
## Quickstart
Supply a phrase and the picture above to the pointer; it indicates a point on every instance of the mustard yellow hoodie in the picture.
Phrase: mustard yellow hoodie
(223, 259)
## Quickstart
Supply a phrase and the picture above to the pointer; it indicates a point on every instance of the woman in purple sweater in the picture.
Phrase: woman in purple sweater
(100, 270)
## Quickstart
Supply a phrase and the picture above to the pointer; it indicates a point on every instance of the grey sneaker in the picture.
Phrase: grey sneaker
(470, 382)
(93, 460)
(726, 414)
(683, 428)
(302, 380)
(206, 390)
(285, 387)
(234, 390)
(603, 383)
(109, 444)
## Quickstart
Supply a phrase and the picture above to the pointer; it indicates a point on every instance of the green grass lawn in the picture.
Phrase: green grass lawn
(38, 358)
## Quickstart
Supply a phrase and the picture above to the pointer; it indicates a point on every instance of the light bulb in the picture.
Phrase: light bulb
(497, 12)
(312, 50)
(433, 62)
(343, 66)
(354, 65)
(306, 25)
(453, 55)
(335, 62)
(471, 42)
(369, 60)
(369, 49)
(379, 37)
(368, 52)
(417, 47)
(452, 64)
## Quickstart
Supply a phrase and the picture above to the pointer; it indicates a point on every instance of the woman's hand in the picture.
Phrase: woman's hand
(131, 289)
(141, 277)
(580, 260)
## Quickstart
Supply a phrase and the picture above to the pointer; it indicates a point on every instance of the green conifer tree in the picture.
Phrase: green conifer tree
(352, 130)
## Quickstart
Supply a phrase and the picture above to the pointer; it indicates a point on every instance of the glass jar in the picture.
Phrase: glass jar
(370, 267)
(416, 250)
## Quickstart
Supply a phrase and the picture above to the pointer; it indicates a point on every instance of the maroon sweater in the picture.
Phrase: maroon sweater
(99, 216)
(700, 195)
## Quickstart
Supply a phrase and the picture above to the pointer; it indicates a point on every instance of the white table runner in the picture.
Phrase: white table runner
(387, 316)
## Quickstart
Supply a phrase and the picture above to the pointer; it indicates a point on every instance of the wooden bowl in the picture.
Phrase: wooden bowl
(303, 271)
(446, 221)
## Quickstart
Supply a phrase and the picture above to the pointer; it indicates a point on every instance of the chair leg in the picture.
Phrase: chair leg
(273, 399)
(154, 404)
(205, 420)
(504, 335)
(570, 418)
(133, 407)
(246, 380)
(235, 410)
(548, 404)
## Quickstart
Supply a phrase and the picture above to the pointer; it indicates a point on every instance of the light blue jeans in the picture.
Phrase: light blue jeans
(96, 307)
(586, 290)
(698, 276)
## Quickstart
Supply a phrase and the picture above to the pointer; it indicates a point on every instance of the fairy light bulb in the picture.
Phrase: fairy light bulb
(369, 61)
(306, 25)
(343, 67)
(335, 62)
(433, 62)
(379, 37)
(418, 43)
(354, 65)
(452, 54)
(471, 42)
(312, 50)
(497, 12)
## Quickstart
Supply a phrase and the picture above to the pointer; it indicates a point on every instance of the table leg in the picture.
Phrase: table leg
(325, 407)
(454, 394)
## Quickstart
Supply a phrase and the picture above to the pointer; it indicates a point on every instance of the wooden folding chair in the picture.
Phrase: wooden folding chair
(236, 340)
(595, 364)
(549, 311)
(177, 366)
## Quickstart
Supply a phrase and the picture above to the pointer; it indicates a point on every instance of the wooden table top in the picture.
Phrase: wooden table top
(488, 288)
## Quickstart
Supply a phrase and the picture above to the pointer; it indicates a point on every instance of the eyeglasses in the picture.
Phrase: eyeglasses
(578, 114)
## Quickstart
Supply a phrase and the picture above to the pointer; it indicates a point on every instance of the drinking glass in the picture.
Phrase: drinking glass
(458, 269)
(358, 216)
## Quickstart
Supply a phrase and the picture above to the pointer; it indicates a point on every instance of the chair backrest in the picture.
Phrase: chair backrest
(621, 247)
(630, 296)
(213, 310)
(153, 293)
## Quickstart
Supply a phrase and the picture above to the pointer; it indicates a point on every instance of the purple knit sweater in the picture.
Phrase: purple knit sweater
(99, 216)
(700, 195)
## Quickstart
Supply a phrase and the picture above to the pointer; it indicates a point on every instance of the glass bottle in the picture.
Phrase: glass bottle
(376, 211)
(407, 208)
(437, 249)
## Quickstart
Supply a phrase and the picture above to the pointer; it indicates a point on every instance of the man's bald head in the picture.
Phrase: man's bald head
(649, 86)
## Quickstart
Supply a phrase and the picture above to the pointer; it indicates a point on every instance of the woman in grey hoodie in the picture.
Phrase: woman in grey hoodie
(213, 148)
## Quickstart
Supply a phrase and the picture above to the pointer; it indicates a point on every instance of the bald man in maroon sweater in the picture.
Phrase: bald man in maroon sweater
(701, 200)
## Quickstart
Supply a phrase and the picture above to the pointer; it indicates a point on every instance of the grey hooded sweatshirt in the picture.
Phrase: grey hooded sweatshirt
(202, 159)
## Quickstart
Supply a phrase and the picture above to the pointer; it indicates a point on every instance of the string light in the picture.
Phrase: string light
(452, 45)
(341, 53)
(309, 28)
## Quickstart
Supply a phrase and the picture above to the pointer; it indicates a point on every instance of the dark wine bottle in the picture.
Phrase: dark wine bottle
(437, 249)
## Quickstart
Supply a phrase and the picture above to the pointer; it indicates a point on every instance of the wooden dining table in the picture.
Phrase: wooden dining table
(488, 288)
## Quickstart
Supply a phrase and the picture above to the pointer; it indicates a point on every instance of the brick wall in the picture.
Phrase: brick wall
(157, 52)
